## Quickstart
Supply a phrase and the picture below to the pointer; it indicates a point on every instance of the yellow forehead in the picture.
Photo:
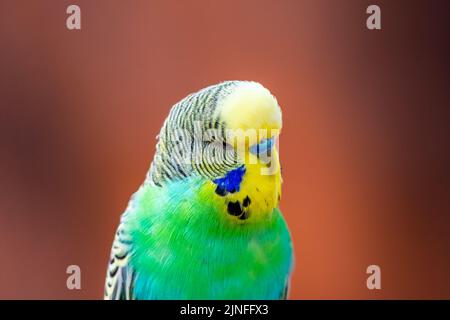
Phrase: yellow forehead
(250, 106)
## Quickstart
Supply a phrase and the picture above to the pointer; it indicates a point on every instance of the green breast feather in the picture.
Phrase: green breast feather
(200, 228)
(181, 255)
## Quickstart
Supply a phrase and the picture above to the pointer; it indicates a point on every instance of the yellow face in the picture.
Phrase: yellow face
(253, 121)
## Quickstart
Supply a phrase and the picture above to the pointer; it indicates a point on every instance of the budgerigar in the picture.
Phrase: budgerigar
(205, 223)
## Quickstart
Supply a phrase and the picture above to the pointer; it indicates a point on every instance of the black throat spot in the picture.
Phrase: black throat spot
(234, 208)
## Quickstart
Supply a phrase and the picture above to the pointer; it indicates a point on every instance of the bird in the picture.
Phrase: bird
(205, 224)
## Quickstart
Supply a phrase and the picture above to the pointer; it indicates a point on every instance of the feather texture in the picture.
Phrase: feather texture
(202, 229)
(177, 254)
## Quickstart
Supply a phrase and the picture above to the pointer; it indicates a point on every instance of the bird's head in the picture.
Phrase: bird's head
(252, 118)
(226, 134)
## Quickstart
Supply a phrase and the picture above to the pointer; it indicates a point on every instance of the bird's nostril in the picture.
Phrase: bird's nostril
(265, 146)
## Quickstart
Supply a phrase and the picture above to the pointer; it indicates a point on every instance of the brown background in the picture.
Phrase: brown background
(365, 144)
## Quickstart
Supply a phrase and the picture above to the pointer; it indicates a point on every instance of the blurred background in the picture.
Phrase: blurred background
(365, 145)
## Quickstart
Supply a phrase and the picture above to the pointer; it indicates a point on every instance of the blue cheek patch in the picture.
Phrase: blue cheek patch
(231, 182)
(262, 147)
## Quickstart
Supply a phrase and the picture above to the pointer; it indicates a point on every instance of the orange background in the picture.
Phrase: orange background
(364, 147)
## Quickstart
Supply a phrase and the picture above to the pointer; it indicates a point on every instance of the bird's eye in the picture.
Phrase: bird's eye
(227, 146)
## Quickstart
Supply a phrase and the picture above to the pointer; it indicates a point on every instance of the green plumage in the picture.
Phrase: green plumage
(177, 240)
